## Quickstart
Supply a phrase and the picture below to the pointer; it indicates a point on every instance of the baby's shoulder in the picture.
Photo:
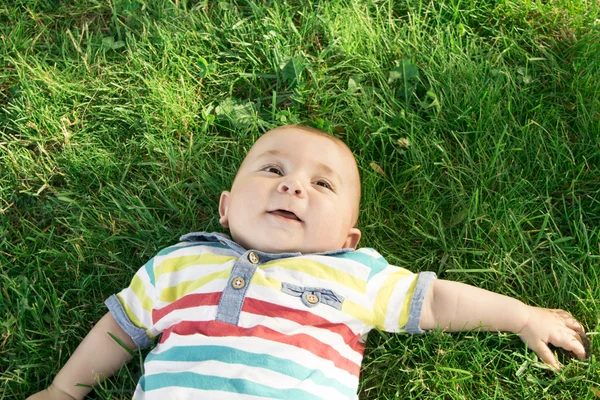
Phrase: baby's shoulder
(365, 257)
(197, 243)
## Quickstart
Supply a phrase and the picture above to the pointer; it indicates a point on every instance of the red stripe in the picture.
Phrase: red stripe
(300, 340)
(188, 301)
(305, 318)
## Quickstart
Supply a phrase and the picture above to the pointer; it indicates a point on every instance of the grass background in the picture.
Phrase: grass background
(476, 125)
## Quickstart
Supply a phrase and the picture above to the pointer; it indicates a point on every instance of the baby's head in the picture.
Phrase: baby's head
(297, 190)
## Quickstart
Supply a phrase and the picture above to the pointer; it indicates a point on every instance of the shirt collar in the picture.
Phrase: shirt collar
(226, 240)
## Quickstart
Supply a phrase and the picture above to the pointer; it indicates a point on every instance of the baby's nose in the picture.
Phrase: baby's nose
(291, 187)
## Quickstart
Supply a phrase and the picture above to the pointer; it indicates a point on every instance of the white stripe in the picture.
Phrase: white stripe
(394, 306)
(194, 314)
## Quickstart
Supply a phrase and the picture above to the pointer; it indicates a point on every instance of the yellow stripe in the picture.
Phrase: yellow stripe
(175, 264)
(360, 313)
(405, 310)
(320, 271)
(131, 315)
(383, 297)
(259, 279)
(139, 289)
(174, 292)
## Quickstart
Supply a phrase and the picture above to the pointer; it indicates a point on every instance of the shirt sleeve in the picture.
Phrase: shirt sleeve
(397, 298)
(132, 307)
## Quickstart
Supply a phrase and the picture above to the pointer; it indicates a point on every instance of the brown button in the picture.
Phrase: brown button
(312, 299)
(253, 257)
(238, 282)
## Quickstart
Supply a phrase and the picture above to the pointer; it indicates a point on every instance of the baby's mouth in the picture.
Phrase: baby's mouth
(285, 214)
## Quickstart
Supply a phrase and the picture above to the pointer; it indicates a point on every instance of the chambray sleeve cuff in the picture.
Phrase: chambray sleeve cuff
(138, 335)
(416, 305)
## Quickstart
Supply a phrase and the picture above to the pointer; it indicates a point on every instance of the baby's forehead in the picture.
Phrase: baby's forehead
(332, 153)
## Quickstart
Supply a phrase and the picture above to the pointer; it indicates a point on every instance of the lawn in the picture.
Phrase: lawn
(475, 124)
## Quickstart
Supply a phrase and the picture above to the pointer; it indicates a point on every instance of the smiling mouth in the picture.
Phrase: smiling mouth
(285, 214)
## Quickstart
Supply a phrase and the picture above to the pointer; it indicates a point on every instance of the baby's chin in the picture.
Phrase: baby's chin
(276, 248)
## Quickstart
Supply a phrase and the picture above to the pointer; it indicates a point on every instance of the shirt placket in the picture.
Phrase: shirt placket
(232, 298)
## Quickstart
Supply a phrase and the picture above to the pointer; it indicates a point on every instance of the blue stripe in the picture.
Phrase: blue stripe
(375, 264)
(216, 383)
(234, 356)
(150, 271)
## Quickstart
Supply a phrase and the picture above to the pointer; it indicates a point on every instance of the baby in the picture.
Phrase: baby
(282, 310)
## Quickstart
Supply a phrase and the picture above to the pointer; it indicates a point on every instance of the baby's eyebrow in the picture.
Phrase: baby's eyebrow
(272, 152)
(330, 171)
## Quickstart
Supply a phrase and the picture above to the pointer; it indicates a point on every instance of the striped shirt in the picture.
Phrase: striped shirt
(244, 324)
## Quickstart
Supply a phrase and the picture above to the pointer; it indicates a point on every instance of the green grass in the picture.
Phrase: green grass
(476, 125)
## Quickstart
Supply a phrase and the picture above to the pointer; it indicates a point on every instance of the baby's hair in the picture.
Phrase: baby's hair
(316, 131)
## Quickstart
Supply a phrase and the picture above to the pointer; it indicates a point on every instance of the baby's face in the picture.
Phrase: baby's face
(296, 191)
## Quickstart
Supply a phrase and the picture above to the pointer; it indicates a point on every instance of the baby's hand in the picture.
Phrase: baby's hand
(555, 327)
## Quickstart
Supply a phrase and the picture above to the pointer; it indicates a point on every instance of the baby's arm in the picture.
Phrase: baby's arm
(97, 357)
(454, 306)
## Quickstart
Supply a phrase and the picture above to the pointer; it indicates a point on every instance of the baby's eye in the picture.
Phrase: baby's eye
(273, 169)
(325, 184)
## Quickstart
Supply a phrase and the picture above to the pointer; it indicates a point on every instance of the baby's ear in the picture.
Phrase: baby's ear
(353, 238)
(223, 204)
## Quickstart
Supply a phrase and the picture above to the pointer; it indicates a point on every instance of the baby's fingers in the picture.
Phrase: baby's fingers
(572, 343)
(543, 351)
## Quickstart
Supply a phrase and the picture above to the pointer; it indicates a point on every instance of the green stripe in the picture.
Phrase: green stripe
(234, 356)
